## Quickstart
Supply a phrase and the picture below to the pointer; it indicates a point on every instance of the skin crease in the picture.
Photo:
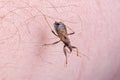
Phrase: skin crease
(23, 31)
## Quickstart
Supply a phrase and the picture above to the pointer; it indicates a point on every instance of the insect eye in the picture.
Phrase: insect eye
(56, 23)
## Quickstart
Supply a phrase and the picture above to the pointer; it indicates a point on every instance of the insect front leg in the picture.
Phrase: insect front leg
(65, 53)
(54, 33)
(52, 43)
(49, 25)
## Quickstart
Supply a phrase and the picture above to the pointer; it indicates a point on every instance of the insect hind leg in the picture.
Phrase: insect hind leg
(76, 49)
(65, 53)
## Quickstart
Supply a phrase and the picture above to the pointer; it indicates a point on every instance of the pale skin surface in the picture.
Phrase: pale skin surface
(23, 30)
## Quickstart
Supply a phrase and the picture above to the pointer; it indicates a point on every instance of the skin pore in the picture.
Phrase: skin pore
(25, 25)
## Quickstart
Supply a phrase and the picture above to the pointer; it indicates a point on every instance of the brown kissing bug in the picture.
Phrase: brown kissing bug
(62, 34)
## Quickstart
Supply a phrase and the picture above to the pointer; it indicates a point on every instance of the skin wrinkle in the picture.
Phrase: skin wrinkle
(26, 25)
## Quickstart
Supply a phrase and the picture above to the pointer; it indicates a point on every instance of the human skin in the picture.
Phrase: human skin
(24, 29)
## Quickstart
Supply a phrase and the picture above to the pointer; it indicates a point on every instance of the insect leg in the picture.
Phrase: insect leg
(71, 33)
(65, 53)
(54, 33)
(52, 43)
(71, 30)
(76, 49)
(50, 26)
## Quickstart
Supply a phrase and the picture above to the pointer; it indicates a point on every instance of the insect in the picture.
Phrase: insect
(61, 33)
